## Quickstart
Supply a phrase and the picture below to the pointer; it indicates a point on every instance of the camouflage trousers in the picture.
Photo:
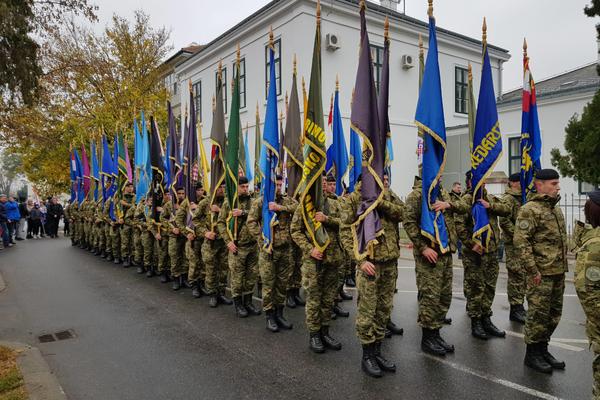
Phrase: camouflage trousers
(150, 254)
(434, 285)
(86, 233)
(295, 281)
(320, 282)
(545, 308)
(162, 254)
(243, 270)
(589, 296)
(126, 239)
(275, 271)
(179, 262)
(516, 286)
(214, 255)
(108, 238)
(481, 275)
(195, 263)
(137, 246)
(100, 242)
(115, 237)
(344, 270)
(375, 301)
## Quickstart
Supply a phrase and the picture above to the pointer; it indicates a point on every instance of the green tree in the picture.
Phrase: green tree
(582, 145)
(593, 10)
(11, 168)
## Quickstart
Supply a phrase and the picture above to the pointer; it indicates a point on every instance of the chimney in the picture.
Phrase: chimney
(391, 4)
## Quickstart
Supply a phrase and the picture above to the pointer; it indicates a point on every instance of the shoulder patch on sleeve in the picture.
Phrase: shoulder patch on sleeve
(593, 274)
(524, 224)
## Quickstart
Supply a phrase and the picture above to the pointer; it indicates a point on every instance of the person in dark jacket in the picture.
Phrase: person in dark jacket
(21, 222)
(35, 221)
(54, 214)
(4, 221)
(12, 212)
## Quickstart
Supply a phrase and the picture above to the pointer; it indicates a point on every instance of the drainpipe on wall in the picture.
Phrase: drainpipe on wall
(500, 72)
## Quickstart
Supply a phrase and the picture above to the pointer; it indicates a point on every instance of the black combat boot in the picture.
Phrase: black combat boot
(343, 295)
(196, 292)
(315, 343)
(290, 301)
(150, 272)
(103, 254)
(429, 343)
(177, 282)
(140, 269)
(383, 363)
(554, 363)
(535, 359)
(280, 319)
(477, 329)
(164, 277)
(394, 329)
(252, 310)
(224, 300)
(240, 310)
(490, 328)
(127, 262)
(298, 299)
(449, 348)
(329, 341)
(117, 261)
(518, 313)
(337, 310)
(109, 257)
(350, 281)
(213, 301)
(271, 323)
(369, 363)
(447, 321)
(96, 251)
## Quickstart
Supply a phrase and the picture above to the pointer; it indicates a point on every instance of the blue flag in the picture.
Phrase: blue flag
(95, 169)
(339, 151)
(487, 150)
(355, 162)
(72, 168)
(271, 157)
(249, 173)
(78, 177)
(142, 160)
(531, 138)
(115, 174)
(430, 119)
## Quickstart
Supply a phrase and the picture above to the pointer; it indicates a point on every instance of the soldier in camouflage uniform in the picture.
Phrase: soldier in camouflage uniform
(137, 231)
(161, 230)
(150, 253)
(69, 210)
(275, 265)
(541, 243)
(214, 251)
(243, 251)
(177, 241)
(126, 228)
(375, 281)
(99, 226)
(516, 285)
(587, 278)
(106, 219)
(194, 250)
(481, 265)
(320, 270)
(433, 266)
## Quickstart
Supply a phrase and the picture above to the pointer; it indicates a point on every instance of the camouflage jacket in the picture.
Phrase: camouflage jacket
(391, 213)
(203, 218)
(165, 219)
(333, 254)
(281, 230)
(412, 219)
(540, 236)
(464, 223)
(513, 199)
(587, 250)
(244, 237)
(128, 206)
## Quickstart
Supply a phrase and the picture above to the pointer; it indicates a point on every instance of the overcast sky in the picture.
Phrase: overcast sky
(560, 36)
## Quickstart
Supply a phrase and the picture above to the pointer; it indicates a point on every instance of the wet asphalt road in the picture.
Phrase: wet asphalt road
(137, 339)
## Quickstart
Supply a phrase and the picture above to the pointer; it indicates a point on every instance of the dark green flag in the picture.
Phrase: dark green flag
(232, 153)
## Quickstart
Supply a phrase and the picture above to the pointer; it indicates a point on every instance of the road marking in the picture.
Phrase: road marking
(555, 343)
(494, 379)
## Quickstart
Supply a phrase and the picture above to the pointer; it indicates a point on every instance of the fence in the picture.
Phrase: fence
(572, 208)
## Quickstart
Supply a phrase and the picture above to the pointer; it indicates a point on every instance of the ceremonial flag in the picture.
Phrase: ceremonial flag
(487, 148)
(257, 151)
(292, 140)
(203, 162)
(430, 121)
(173, 153)
(383, 100)
(420, 133)
(85, 172)
(78, 177)
(95, 168)
(314, 154)
(156, 159)
(355, 160)
(115, 187)
(190, 155)
(106, 171)
(270, 160)
(232, 152)
(217, 137)
(249, 173)
(364, 119)
(471, 109)
(340, 151)
(72, 170)
(531, 138)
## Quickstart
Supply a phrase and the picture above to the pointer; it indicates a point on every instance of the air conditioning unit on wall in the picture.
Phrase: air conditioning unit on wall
(407, 61)
(332, 41)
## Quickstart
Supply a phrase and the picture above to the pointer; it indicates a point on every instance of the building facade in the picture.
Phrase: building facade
(293, 24)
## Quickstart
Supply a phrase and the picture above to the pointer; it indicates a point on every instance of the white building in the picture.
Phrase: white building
(293, 23)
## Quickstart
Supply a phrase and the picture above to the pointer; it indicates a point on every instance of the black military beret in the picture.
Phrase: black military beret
(279, 178)
(199, 186)
(469, 175)
(547, 174)
(595, 196)
(242, 180)
(514, 177)
(330, 178)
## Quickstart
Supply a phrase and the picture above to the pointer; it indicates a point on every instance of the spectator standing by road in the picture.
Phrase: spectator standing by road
(54, 213)
(13, 215)
(4, 221)
(24, 212)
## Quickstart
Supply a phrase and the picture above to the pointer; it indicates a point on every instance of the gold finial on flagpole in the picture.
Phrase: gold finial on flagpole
(220, 69)
(237, 55)
(286, 99)
(257, 108)
(303, 86)
(318, 12)
(430, 9)
(190, 84)
(337, 83)
(525, 47)
(470, 72)
(214, 103)
(362, 5)
(295, 65)
(186, 110)
(484, 32)
(386, 29)
(271, 41)
(421, 50)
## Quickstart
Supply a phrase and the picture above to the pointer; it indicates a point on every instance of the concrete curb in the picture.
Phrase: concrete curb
(40, 382)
